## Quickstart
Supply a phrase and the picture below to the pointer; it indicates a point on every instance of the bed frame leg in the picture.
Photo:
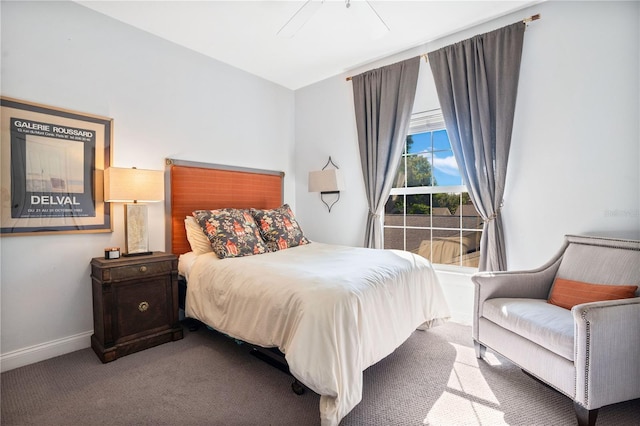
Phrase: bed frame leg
(480, 349)
(297, 387)
(276, 359)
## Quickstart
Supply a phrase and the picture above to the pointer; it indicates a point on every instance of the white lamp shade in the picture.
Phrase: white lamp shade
(328, 180)
(122, 185)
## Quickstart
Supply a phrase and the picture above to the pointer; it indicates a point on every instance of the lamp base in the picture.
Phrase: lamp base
(143, 253)
(136, 229)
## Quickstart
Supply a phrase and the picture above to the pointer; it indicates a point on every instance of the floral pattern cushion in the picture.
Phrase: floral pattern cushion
(279, 228)
(232, 232)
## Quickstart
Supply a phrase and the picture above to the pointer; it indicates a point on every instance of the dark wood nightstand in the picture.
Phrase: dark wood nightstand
(135, 304)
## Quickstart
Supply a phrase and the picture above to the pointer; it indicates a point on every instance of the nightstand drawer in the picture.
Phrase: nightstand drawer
(142, 307)
(141, 270)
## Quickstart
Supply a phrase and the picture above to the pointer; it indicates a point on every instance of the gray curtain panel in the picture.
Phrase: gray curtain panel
(477, 82)
(383, 101)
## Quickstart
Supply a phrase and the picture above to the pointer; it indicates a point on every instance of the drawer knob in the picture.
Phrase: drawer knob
(143, 306)
(143, 268)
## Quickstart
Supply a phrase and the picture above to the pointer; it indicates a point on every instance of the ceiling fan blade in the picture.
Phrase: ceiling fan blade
(382, 28)
(299, 19)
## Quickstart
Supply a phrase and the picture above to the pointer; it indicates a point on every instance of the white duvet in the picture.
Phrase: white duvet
(332, 310)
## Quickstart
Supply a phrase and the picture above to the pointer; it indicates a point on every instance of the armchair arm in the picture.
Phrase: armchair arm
(533, 284)
(607, 352)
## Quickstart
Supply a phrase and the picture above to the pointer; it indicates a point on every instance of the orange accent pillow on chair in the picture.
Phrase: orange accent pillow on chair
(568, 293)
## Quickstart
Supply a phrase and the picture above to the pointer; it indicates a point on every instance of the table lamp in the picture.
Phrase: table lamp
(133, 186)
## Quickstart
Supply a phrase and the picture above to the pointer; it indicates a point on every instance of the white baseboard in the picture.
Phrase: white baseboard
(43, 351)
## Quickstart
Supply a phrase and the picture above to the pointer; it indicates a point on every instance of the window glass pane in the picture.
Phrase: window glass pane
(419, 170)
(395, 205)
(419, 206)
(446, 247)
(445, 210)
(394, 237)
(441, 140)
(419, 160)
(470, 217)
(471, 248)
(445, 169)
(419, 143)
(418, 241)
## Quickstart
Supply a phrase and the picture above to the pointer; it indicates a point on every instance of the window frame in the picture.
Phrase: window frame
(423, 122)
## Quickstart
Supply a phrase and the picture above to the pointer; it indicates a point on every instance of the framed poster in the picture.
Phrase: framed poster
(52, 165)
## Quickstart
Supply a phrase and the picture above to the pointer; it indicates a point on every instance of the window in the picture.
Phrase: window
(429, 211)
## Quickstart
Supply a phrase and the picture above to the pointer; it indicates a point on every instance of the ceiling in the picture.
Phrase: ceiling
(335, 39)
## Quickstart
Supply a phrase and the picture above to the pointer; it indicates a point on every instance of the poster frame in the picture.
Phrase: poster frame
(52, 162)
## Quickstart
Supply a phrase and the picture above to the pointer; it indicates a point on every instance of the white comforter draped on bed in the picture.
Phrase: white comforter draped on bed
(332, 310)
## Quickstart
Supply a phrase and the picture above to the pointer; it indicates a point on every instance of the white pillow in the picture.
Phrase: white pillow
(198, 240)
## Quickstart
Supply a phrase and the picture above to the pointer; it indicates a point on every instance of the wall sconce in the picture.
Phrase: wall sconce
(126, 185)
(327, 181)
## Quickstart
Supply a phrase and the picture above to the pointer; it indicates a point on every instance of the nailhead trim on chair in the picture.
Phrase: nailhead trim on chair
(586, 367)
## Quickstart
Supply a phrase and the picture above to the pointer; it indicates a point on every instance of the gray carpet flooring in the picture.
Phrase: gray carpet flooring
(208, 379)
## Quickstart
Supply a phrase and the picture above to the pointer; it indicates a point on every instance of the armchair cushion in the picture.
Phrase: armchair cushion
(568, 293)
(547, 325)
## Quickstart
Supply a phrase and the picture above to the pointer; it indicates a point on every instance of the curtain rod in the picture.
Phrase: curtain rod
(524, 21)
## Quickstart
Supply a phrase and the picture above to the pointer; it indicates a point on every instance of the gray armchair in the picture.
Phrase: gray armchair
(590, 353)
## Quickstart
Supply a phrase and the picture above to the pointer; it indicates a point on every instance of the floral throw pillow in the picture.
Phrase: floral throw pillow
(279, 228)
(232, 232)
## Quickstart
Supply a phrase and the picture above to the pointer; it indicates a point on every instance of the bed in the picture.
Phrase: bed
(331, 310)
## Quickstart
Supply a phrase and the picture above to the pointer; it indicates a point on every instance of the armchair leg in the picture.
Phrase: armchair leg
(585, 417)
(480, 349)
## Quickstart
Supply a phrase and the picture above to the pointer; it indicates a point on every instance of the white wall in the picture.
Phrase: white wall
(323, 131)
(573, 166)
(574, 160)
(166, 101)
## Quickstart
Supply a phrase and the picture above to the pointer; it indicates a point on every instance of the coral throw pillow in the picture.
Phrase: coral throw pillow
(568, 293)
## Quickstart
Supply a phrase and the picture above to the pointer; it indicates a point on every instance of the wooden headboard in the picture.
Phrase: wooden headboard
(193, 186)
